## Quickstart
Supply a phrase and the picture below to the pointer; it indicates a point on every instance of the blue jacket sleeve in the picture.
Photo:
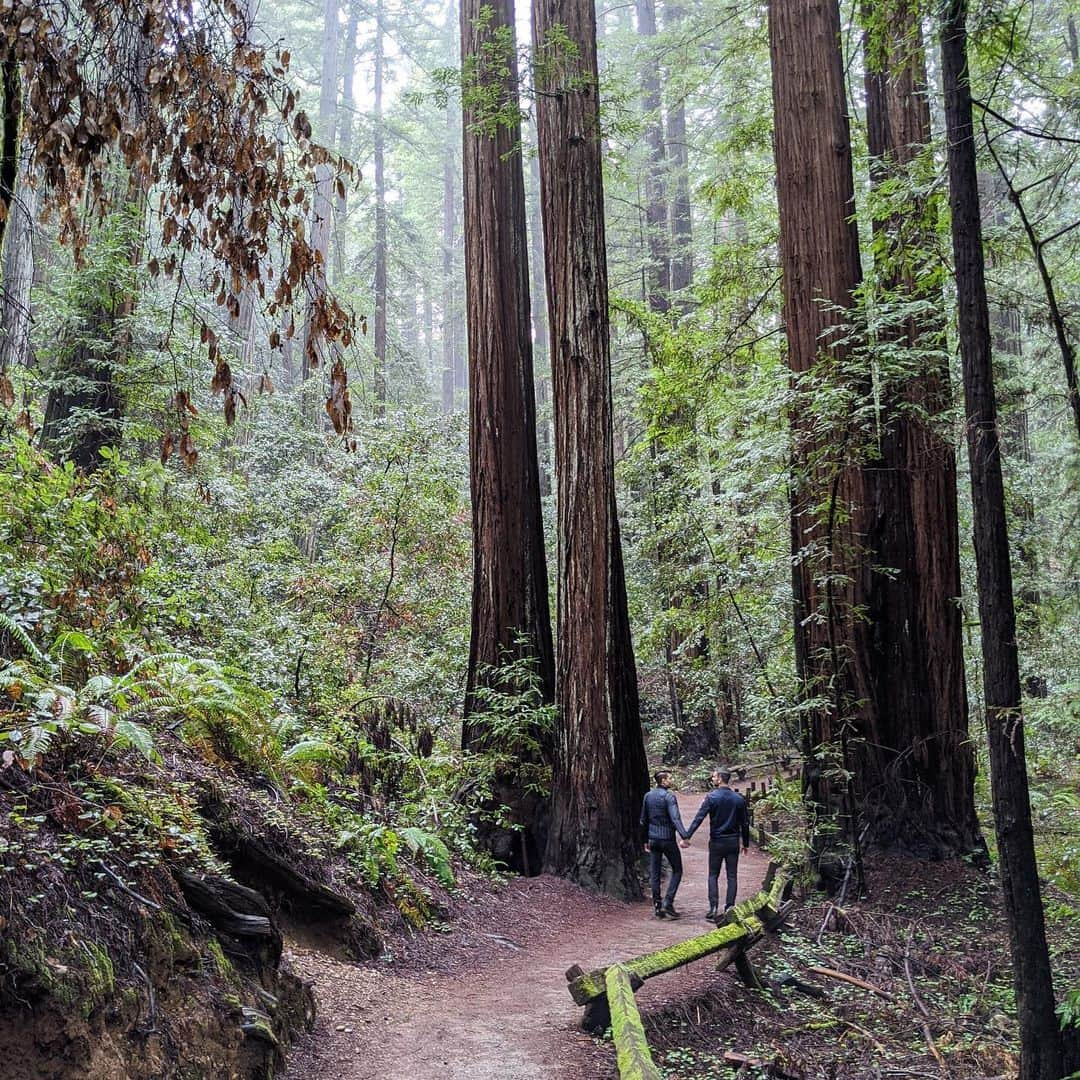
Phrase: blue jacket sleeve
(699, 817)
(676, 817)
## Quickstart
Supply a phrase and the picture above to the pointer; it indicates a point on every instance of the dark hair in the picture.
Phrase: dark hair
(658, 776)
(723, 772)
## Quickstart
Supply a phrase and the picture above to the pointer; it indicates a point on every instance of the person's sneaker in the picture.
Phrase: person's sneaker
(711, 914)
(670, 912)
(658, 911)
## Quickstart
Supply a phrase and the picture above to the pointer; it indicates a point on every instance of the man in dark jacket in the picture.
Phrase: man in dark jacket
(729, 821)
(660, 816)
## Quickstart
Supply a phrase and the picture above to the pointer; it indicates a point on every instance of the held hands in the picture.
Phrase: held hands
(684, 843)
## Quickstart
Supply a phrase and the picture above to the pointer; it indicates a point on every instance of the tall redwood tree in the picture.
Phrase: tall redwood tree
(819, 249)
(510, 616)
(600, 768)
(915, 762)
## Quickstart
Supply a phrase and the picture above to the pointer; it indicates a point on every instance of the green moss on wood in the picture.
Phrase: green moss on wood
(631, 1047)
(745, 924)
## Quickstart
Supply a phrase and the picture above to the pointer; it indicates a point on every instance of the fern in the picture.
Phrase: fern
(128, 733)
(313, 750)
(25, 640)
(435, 853)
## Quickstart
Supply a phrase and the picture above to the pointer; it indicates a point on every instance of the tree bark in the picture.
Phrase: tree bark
(313, 351)
(914, 763)
(657, 269)
(820, 261)
(510, 615)
(600, 767)
(542, 364)
(380, 219)
(18, 272)
(1041, 1043)
(682, 221)
(448, 244)
(11, 89)
(345, 126)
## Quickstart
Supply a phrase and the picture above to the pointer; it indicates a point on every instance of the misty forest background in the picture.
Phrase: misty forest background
(242, 545)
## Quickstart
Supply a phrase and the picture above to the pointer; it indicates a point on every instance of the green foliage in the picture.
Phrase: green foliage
(434, 851)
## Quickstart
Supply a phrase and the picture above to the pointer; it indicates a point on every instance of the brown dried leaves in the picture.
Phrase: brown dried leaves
(195, 109)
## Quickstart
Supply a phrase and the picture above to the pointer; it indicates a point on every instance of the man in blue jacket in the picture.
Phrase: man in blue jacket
(660, 815)
(729, 822)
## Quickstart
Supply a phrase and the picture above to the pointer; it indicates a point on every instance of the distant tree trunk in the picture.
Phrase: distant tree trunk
(345, 127)
(11, 90)
(914, 763)
(819, 250)
(600, 768)
(448, 243)
(682, 247)
(510, 615)
(314, 348)
(18, 274)
(657, 270)
(380, 219)
(1041, 1042)
(429, 328)
(84, 406)
(542, 362)
(288, 341)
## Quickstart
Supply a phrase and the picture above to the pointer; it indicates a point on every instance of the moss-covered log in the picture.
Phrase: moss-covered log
(744, 925)
(631, 1047)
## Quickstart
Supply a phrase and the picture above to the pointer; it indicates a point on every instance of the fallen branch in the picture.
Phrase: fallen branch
(878, 1045)
(932, 1046)
(832, 973)
(911, 982)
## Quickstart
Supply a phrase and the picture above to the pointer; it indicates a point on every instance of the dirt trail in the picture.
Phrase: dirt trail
(493, 1004)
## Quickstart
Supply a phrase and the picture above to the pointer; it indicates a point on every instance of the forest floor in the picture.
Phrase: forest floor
(489, 1001)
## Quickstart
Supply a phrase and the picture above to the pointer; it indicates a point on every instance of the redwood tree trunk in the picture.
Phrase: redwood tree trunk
(345, 126)
(313, 352)
(915, 766)
(657, 270)
(682, 249)
(1041, 1043)
(542, 365)
(510, 615)
(600, 768)
(820, 261)
(448, 312)
(380, 219)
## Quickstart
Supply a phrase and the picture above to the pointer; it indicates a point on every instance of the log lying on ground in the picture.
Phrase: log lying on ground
(744, 925)
(631, 1047)
(310, 896)
(239, 914)
(254, 859)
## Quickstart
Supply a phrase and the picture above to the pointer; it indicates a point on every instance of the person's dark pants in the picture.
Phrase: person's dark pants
(723, 852)
(657, 850)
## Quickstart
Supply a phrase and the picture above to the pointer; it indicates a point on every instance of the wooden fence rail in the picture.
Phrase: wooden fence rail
(631, 1046)
(744, 926)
